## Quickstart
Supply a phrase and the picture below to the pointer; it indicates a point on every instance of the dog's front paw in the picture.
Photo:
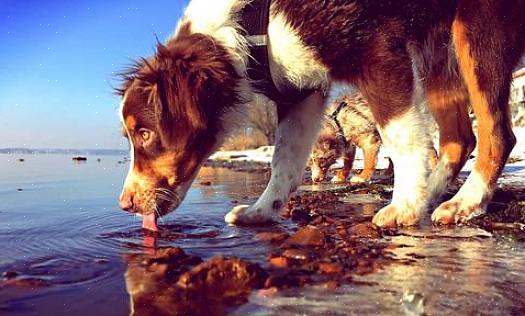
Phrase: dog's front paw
(358, 180)
(338, 179)
(245, 214)
(394, 215)
(454, 212)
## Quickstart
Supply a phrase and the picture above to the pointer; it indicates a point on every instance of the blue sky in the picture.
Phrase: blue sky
(57, 65)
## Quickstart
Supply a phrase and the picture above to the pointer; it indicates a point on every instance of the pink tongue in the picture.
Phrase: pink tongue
(150, 222)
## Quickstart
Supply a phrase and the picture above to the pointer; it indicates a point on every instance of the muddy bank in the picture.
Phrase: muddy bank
(239, 165)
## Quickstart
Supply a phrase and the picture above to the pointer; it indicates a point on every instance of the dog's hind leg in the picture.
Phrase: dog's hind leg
(388, 85)
(487, 43)
(295, 136)
(448, 101)
(370, 146)
(348, 161)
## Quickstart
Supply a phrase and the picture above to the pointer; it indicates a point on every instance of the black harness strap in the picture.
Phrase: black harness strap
(334, 115)
(254, 19)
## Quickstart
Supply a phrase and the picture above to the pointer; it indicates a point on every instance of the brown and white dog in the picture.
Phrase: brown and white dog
(348, 124)
(177, 105)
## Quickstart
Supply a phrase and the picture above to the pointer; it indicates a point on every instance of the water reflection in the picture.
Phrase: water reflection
(461, 271)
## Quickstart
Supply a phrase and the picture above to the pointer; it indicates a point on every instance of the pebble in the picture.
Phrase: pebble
(309, 236)
(273, 237)
(10, 274)
(279, 262)
(329, 268)
(364, 230)
(296, 254)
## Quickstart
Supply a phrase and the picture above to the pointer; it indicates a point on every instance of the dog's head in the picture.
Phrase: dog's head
(327, 149)
(172, 113)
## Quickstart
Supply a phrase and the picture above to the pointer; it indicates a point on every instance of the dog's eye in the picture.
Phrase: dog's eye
(145, 134)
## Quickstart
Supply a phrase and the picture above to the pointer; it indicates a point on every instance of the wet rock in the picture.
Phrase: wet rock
(27, 283)
(329, 268)
(269, 292)
(9, 274)
(308, 236)
(331, 285)
(299, 214)
(230, 278)
(279, 262)
(296, 254)
(365, 230)
(273, 237)
(287, 279)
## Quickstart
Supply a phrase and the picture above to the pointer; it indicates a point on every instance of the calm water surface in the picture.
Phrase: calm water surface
(60, 225)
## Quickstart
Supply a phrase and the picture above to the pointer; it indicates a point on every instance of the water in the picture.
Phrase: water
(62, 232)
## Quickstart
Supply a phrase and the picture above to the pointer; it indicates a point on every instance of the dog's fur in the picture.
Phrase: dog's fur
(357, 129)
(177, 105)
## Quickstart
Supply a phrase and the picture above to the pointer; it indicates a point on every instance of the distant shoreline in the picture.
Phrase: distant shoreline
(63, 151)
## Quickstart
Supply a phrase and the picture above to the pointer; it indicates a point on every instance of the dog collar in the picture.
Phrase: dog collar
(254, 19)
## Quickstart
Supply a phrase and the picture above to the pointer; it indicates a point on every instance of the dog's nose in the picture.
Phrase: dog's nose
(126, 201)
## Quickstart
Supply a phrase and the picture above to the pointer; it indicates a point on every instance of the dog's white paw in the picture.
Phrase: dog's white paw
(245, 214)
(394, 215)
(338, 179)
(357, 180)
(455, 212)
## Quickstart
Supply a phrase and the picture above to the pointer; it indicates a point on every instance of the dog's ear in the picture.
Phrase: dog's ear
(195, 81)
(340, 138)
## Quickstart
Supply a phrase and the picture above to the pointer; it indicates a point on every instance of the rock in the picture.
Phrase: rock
(272, 237)
(297, 254)
(287, 279)
(225, 279)
(28, 283)
(329, 267)
(309, 236)
(298, 214)
(205, 183)
(269, 292)
(365, 230)
(10, 274)
(279, 262)
(331, 285)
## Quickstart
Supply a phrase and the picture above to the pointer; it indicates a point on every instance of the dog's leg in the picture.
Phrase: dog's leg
(433, 156)
(485, 61)
(295, 136)
(448, 103)
(388, 85)
(348, 162)
(370, 147)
